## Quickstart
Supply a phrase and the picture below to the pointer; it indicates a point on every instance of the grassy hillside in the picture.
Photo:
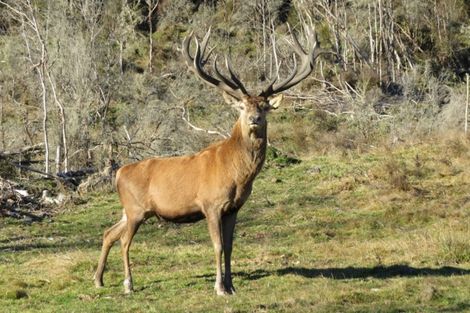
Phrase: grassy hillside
(385, 231)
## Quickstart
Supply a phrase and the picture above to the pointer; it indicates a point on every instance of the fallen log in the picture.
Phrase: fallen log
(34, 149)
(27, 168)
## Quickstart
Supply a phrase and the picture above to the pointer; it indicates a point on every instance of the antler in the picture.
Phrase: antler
(307, 61)
(233, 86)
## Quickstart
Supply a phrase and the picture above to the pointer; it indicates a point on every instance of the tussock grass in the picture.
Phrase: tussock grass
(382, 231)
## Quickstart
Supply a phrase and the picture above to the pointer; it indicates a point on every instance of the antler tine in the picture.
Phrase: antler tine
(234, 77)
(197, 63)
(271, 90)
(222, 77)
(307, 62)
(297, 46)
(185, 48)
(276, 77)
(204, 42)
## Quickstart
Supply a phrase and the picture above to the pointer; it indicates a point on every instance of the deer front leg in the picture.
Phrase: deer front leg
(228, 226)
(214, 224)
(126, 239)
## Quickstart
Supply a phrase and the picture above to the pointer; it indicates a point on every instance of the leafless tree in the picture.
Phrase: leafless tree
(23, 12)
(152, 5)
(35, 35)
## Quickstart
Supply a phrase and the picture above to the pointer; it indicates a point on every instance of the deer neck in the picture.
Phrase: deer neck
(251, 150)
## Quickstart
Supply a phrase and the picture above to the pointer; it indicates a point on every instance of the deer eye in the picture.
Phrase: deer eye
(264, 106)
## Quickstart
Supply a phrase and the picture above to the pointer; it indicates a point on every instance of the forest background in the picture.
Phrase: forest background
(97, 80)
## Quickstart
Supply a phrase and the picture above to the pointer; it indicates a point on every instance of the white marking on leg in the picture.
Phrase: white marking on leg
(127, 285)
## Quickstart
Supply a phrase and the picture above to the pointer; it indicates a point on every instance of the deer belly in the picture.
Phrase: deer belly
(177, 211)
(189, 218)
(180, 215)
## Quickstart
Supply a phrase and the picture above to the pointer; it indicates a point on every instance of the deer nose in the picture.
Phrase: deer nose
(255, 119)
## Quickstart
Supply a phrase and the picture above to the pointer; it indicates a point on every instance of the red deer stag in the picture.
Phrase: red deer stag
(213, 183)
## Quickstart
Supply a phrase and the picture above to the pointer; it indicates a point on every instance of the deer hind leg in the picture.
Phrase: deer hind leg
(228, 226)
(110, 236)
(126, 239)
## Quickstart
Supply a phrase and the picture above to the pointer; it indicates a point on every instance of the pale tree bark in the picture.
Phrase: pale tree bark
(2, 131)
(466, 105)
(63, 124)
(371, 38)
(40, 72)
(152, 6)
(262, 8)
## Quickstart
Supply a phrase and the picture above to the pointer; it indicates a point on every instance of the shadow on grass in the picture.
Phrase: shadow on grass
(459, 307)
(380, 272)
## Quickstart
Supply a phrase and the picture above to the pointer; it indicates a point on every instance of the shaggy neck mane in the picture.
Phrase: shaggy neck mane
(248, 151)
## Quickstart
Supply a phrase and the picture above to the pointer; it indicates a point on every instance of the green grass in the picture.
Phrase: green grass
(386, 231)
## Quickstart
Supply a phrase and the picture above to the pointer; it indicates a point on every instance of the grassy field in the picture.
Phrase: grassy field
(382, 231)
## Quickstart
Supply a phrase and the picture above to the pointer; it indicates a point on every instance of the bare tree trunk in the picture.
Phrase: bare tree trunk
(377, 41)
(63, 124)
(40, 72)
(121, 51)
(274, 55)
(263, 17)
(40, 69)
(438, 20)
(389, 39)
(466, 106)
(152, 6)
(2, 131)
(380, 34)
(57, 160)
(345, 25)
(371, 38)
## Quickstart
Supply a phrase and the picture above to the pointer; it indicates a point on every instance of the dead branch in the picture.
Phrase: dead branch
(210, 132)
(38, 148)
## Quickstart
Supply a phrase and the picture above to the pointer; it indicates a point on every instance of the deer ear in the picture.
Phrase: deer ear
(275, 102)
(234, 102)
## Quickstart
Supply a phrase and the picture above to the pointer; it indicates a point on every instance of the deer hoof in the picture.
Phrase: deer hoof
(230, 290)
(220, 290)
(128, 288)
(98, 282)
